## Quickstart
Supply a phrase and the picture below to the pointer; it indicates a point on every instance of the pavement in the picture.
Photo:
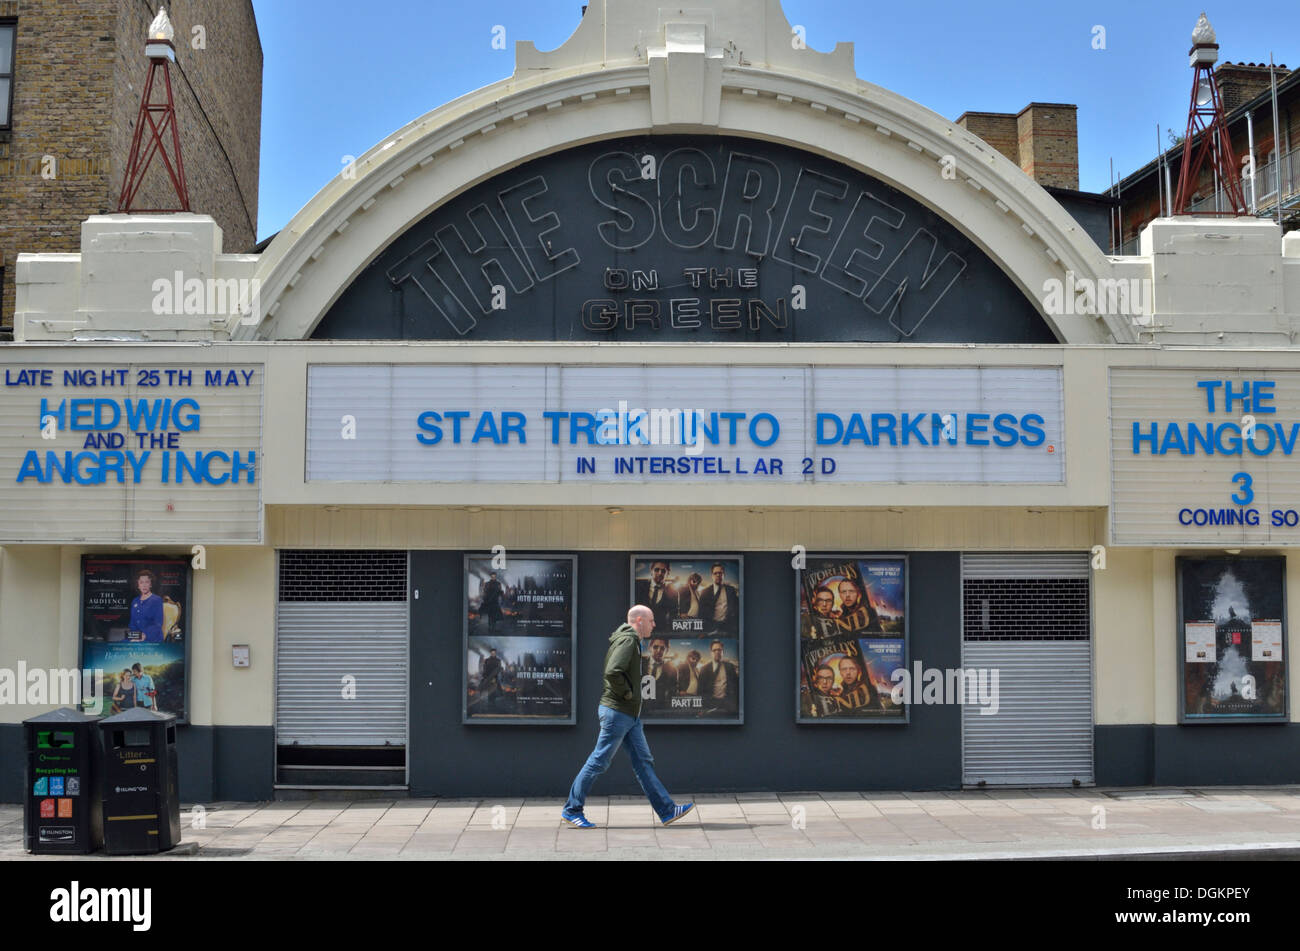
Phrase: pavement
(1142, 823)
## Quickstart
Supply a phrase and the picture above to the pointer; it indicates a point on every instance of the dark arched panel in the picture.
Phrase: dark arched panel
(681, 239)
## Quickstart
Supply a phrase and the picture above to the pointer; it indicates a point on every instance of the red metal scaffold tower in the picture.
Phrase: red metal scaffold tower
(1205, 119)
(160, 119)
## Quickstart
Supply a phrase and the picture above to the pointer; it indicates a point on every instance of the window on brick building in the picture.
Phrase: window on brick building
(8, 31)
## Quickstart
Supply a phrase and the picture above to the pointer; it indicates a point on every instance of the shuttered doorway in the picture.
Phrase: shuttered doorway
(342, 648)
(1029, 618)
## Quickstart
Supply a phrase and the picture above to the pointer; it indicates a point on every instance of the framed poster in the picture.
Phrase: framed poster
(1232, 631)
(519, 639)
(691, 668)
(852, 621)
(135, 632)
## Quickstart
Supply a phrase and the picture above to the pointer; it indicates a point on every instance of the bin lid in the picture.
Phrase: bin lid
(64, 715)
(137, 715)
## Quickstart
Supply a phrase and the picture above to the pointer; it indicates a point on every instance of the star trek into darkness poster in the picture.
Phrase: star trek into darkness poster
(1232, 624)
(519, 633)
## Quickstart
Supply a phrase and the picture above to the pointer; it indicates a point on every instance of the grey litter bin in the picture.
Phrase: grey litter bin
(138, 782)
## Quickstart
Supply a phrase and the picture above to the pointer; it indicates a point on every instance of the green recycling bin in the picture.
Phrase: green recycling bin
(138, 782)
(61, 808)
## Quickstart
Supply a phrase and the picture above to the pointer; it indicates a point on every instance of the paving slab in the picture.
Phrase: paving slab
(1011, 823)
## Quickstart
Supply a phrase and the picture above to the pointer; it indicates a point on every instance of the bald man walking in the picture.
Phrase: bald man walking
(620, 722)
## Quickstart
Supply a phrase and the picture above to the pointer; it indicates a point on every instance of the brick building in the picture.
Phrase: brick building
(74, 70)
(1148, 193)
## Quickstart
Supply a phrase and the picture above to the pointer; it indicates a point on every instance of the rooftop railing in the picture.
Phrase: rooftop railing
(1279, 178)
(1276, 182)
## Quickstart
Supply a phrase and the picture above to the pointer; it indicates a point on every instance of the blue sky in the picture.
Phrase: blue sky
(335, 85)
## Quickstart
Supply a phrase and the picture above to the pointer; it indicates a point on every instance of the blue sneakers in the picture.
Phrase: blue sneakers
(678, 812)
(581, 822)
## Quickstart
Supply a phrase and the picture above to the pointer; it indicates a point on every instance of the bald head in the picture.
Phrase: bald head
(642, 619)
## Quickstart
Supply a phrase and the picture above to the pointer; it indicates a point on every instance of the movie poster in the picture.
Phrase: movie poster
(135, 632)
(519, 631)
(691, 665)
(1232, 618)
(852, 637)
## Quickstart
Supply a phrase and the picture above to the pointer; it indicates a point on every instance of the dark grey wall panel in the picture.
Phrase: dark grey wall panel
(769, 752)
(194, 755)
(567, 231)
(1122, 754)
(1227, 755)
(243, 763)
(1092, 213)
(1167, 755)
(11, 762)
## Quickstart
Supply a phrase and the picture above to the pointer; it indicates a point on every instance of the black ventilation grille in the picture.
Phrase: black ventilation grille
(342, 576)
(1025, 609)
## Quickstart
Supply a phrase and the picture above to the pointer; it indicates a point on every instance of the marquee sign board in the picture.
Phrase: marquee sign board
(684, 239)
(699, 424)
(1204, 458)
(130, 452)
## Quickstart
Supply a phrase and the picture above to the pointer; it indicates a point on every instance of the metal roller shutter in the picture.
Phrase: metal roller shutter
(1068, 564)
(318, 646)
(321, 643)
(1029, 618)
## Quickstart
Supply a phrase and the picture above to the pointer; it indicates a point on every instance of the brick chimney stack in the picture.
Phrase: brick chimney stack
(1043, 139)
(1241, 82)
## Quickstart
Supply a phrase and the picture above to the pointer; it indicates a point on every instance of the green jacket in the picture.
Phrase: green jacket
(623, 672)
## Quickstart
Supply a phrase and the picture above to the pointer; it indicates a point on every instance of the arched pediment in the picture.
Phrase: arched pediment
(684, 238)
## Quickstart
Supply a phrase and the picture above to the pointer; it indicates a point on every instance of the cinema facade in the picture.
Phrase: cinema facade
(924, 490)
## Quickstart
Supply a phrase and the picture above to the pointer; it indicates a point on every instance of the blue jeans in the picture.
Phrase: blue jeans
(617, 729)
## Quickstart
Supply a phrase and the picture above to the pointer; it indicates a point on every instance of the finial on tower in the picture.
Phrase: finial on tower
(1203, 33)
(162, 36)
